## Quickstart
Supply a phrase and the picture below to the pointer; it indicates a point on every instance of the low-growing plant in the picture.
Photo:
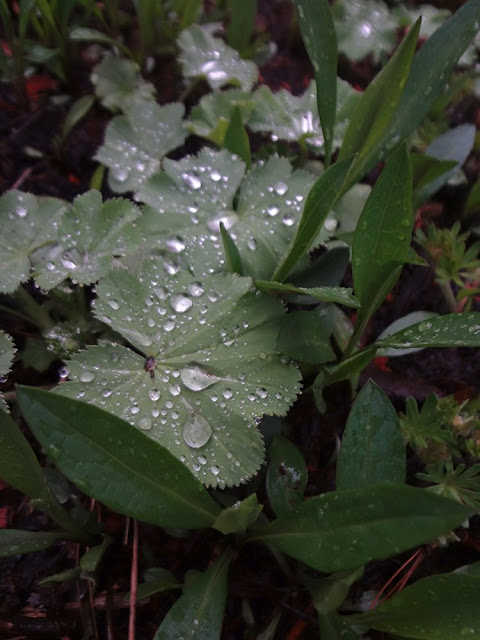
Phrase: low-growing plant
(188, 313)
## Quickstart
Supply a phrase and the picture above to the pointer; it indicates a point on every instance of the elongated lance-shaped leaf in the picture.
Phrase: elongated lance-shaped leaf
(318, 33)
(382, 237)
(115, 463)
(340, 295)
(320, 200)
(14, 542)
(287, 475)
(451, 330)
(233, 259)
(341, 530)
(375, 110)
(372, 448)
(236, 137)
(439, 607)
(198, 613)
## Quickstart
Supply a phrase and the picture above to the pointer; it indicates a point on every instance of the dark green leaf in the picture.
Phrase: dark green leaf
(344, 529)
(242, 23)
(440, 607)
(320, 200)
(237, 518)
(287, 476)
(329, 593)
(233, 258)
(198, 613)
(236, 137)
(64, 576)
(340, 295)
(472, 206)
(427, 172)
(450, 330)
(112, 461)
(14, 542)
(318, 33)
(373, 115)
(372, 448)
(334, 627)
(305, 336)
(92, 559)
(157, 580)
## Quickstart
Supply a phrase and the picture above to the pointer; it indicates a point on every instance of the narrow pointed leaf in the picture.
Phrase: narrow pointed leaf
(372, 448)
(236, 137)
(233, 259)
(450, 330)
(340, 295)
(377, 107)
(318, 33)
(344, 529)
(14, 542)
(320, 200)
(238, 517)
(111, 461)
(439, 607)
(287, 476)
(198, 613)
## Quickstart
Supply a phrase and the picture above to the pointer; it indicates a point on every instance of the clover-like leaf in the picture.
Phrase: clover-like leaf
(135, 143)
(211, 116)
(192, 197)
(294, 118)
(203, 55)
(119, 84)
(203, 370)
(29, 227)
(91, 234)
(7, 353)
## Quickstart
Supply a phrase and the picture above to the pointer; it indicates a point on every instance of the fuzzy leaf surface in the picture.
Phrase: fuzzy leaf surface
(191, 197)
(119, 84)
(216, 368)
(202, 55)
(7, 353)
(135, 143)
(344, 529)
(116, 464)
(91, 234)
(29, 224)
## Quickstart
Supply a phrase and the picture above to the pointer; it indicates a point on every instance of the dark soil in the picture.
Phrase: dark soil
(77, 610)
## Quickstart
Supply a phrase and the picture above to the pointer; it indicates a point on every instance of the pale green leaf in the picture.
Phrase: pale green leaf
(202, 55)
(238, 517)
(119, 84)
(397, 325)
(205, 368)
(135, 143)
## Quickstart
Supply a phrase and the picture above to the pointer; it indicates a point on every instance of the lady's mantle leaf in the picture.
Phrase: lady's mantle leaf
(208, 366)
(118, 84)
(91, 234)
(203, 55)
(135, 143)
(29, 227)
(193, 196)
(7, 353)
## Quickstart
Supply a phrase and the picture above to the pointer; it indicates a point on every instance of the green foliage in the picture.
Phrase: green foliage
(458, 483)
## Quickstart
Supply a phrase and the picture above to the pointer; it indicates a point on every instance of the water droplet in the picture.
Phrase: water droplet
(227, 394)
(281, 188)
(134, 409)
(215, 175)
(196, 289)
(251, 244)
(175, 244)
(169, 325)
(175, 390)
(21, 212)
(145, 423)
(215, 470)
(197, 431)
(196, 379)
(227, 218)
(181, 303)
(365, 29)
(154, 395)
(273, 211)
(63, 373)
(192, 181)
(120, 174)
(114, 304)
(67, 262)
(288, 220)
(202, 460)
(106, 393)
(261, 392)
(87, 376)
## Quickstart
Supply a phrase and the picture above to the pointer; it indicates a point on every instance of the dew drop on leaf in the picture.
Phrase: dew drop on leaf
(114, 304)
(145, 423)
(196, 379)
(288, 220)
(154, 395)
(197, 431)
(87, 376)
(273, 211)
(181, 303)
(281, 188)
(192, 181)
(195, 289)
(175, 244)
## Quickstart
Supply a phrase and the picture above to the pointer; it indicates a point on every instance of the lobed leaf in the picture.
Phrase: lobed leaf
(119, 84)
(205, 366)
(7, 353)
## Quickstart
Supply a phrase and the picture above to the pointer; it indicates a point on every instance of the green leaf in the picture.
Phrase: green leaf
(204, 56)
(157, 580)
(397, 325)
(205, 366)
(373, 115)
(372, 448)
(85, 34)
(242, 23)
(287, 476)
(340, 295)
(233, 258)
(192, 197)
(116, 464)
(14, 542)
(76, 113)
(237, 518)
(382, 237)
(328, 594)
(305, 336)
(7, 353)
(91, 560)
(439, 607)
(135, 143)
(335, 627)
(198, 613)
(318, 33)
(119, 85)
(236, 137)
(294, 118)
(450, 330)
(29, 226)
(91, 234)
(321, 198)
(344, 529)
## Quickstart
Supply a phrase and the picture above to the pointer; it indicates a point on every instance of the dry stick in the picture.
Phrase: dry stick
(133, 583)
(23, 176)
